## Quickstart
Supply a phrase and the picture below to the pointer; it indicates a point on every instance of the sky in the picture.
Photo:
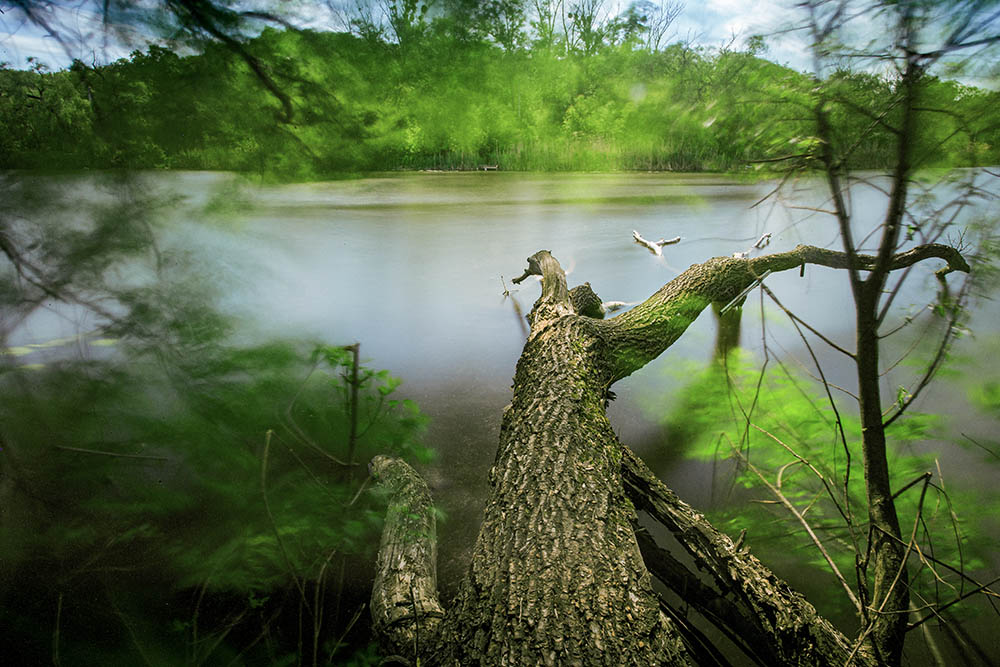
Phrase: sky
(715, 22)
(711, 23)
(79, 26)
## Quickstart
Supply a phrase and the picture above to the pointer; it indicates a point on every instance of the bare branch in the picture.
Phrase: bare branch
(643, 333)
(655, 247)
(799, 320)
(274, 526)
(83, 450)
(940, 356)
(815, 471)
(787, 504)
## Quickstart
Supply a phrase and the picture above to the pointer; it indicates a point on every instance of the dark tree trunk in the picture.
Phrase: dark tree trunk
(557, 575)
(890, 590)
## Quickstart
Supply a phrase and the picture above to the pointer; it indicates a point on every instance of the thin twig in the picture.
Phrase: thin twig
(270, 516)
(839, 421)
(921, 478)
(798, 319)
(318, 606)
(982, 447)
(811, 467)
(114, 454)
(352, 438)
(56, 661)
(783, 499)
(984, 587)
(937, 361)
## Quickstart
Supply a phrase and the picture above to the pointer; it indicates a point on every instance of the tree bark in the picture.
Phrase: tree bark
(405, 608)
(557, 575)
(890, 599)
(772, 622)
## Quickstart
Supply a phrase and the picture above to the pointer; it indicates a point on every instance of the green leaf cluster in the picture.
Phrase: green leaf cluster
(784, 447)
(155, 465)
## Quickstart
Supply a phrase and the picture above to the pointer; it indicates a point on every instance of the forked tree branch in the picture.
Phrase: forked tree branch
(637, 337)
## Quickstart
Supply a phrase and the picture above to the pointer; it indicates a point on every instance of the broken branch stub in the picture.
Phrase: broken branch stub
(586, 302)
(554, 301)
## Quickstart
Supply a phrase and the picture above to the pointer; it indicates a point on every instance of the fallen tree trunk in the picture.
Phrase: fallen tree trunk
(772, 621)
(405, 608)
(557, 575)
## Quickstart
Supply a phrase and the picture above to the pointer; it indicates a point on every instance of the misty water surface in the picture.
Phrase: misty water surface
(414, 267)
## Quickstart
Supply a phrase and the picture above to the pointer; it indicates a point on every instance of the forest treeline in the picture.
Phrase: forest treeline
(302, 104)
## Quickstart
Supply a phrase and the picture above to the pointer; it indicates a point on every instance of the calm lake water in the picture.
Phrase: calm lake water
(414, 267)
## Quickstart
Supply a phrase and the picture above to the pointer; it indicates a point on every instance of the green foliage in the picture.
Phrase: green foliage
(457, 87)
(782, 436)
(154, 449)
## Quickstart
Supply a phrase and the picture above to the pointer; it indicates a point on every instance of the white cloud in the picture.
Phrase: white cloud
(714, 23)
(81, 34)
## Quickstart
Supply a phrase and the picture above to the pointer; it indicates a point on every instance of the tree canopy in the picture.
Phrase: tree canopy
(458, 85)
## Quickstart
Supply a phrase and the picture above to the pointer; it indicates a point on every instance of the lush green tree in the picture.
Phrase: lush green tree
(460, 88)
(48, 125)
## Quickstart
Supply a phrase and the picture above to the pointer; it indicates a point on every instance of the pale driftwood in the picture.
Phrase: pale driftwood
(655, 247)
(763, 241)
(586, 302)
(759, 244)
